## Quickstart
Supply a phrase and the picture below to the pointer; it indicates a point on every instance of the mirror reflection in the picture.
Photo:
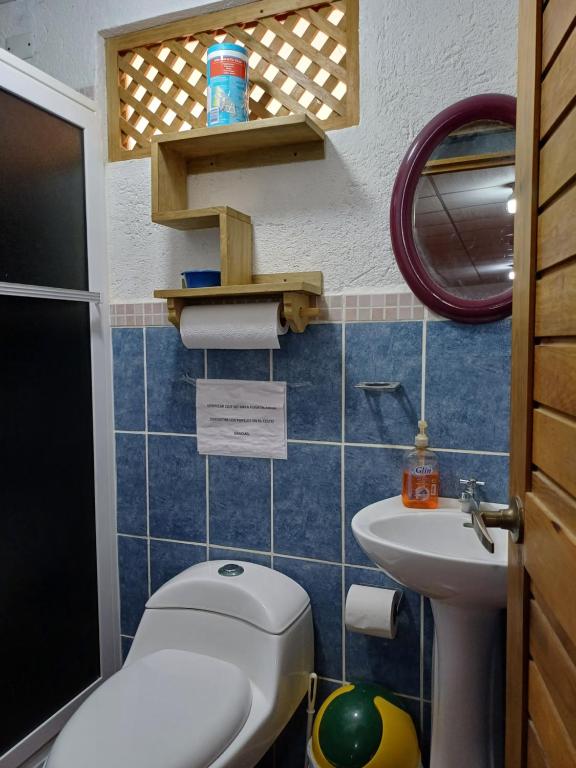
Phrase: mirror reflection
(463, 212)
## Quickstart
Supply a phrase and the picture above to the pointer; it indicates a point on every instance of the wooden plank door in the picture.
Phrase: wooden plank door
(541, 685)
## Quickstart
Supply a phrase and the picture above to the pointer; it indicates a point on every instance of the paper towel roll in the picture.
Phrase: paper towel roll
(232, 326)
(372, 610)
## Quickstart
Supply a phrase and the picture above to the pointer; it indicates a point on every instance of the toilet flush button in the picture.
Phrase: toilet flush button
(231, 569)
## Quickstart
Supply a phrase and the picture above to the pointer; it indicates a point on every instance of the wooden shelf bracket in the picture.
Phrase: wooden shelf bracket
(297, 292)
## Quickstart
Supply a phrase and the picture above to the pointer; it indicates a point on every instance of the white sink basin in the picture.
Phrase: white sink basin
(431, 552)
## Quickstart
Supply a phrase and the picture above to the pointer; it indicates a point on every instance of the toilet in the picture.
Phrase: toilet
(219, 663)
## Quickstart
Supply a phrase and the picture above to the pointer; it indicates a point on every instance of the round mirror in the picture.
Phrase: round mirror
(452, 211)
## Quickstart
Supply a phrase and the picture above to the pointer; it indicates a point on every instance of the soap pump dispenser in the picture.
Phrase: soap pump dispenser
(421, 477)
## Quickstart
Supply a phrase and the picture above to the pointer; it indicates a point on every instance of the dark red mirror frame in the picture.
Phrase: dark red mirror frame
(488, 106)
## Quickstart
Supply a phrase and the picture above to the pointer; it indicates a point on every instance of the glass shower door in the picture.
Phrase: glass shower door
(57, 572)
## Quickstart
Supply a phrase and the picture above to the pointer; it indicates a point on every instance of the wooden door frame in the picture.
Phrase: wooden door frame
(523, 303)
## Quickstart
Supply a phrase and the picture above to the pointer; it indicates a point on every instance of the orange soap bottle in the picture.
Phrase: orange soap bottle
(421, 476)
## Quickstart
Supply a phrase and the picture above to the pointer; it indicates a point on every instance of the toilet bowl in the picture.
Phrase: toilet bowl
(219, 663)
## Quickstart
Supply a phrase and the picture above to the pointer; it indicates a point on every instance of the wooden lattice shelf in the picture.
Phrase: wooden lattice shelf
(303, 60)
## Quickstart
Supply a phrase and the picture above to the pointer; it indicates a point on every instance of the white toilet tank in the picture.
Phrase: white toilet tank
(246, 614)
(219, 663)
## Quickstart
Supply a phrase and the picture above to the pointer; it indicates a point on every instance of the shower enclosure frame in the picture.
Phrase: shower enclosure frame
(41, 90)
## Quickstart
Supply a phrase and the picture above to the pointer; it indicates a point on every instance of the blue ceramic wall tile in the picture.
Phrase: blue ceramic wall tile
(392, 663)
(131, 484)
(493, 470)
(133, 570)
(168, 558)
(383, 352)
(311, 364)
(177, 489)
(171, 372)
(290, 746)
(128, 351)
(307, 505)
(240, 502)
(371, 474)
(235, 556)
(251, 364)
(323, 582)
(468, 385)
(126, 645)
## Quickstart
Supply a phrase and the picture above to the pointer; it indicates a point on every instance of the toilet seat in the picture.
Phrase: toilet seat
(170, 709)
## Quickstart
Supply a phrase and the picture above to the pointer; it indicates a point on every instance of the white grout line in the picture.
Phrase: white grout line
(271, 377)
(207, 494)
(423, 382)
(173, 434)
(253, 551)
(380, 445)
(272, 513)
(177, 541)
(336, 443)
(130, 431)
(343, 491)
(469, 450)
(146, 465)
(314, 442)
(207, 476)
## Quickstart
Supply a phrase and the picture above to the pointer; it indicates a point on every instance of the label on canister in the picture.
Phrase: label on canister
(227, 75)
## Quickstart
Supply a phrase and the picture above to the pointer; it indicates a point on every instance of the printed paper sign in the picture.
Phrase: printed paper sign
(241, 418)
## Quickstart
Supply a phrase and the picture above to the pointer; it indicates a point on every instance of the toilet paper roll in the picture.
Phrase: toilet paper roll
(232, 326)
(372, 610)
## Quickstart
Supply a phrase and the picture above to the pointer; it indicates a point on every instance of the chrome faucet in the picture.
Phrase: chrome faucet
(471, 506)
(468, 501)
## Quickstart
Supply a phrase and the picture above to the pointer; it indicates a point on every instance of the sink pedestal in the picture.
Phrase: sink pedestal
(436, 553)
(467, 705)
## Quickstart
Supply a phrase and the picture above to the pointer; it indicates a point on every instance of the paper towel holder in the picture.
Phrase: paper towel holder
(297, 292)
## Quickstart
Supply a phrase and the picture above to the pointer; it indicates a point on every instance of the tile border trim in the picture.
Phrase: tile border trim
(349, 307)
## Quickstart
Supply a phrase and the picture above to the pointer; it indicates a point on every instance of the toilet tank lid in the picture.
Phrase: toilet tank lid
(265, 598)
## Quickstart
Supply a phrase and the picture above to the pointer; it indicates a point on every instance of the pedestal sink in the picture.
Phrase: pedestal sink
(431, 552)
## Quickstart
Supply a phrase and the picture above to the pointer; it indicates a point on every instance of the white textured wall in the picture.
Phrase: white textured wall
(417, 57)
